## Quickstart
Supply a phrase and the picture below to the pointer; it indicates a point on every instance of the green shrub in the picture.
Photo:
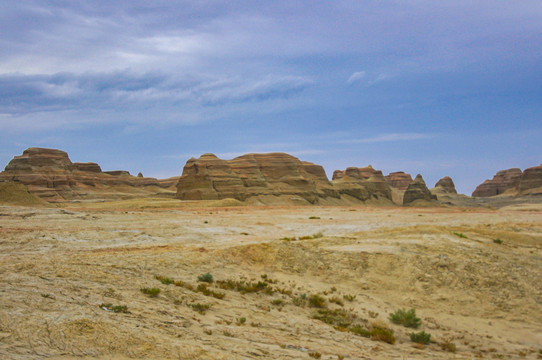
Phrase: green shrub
(463, 236)
(314, 218)
(241, 321)
(317, 301)
(349, 297)
(421, 337)
(338, 317)
(208, 278)
(497, 241)
(114, 308)
(277, 302)
(405, 318)
(201, 308)
(164, 280)
(359, 330)
(152, 292)
(383, 334)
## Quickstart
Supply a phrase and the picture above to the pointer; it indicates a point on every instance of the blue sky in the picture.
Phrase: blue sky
(432, 87)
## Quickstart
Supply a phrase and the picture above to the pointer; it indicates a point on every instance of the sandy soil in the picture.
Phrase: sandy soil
(59, 266)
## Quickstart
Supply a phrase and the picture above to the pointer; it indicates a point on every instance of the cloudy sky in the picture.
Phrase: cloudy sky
(432, 87)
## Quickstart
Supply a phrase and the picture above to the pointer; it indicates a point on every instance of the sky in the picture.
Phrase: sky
(440, 88)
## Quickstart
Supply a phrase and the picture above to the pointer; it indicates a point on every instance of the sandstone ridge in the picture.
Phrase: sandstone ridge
(51, 175)
(512, 182)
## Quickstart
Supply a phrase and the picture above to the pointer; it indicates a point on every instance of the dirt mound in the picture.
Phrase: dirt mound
(17, 194)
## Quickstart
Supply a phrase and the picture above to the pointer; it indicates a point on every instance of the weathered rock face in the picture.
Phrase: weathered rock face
(531, 181)
(89, 167)
(446, 185)
(502, 181)
(417, 190)
(50, 174)
(362, 183)
(399, 180)
(253, 175)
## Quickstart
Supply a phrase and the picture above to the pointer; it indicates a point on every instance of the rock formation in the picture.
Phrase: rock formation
(50, 174)
(399, 180)
(530, 182)
(362, 183)
(417, 190)
(446, 185)
(253, 176)
(502, 181)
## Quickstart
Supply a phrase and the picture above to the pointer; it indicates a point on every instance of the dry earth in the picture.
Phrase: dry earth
(58, 266)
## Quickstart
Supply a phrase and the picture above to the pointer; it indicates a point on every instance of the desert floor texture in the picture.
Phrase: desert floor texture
(474, 277)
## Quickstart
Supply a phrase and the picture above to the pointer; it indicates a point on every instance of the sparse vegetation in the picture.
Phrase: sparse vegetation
(241, 321)
(383, 334)
(245, 287)
(448, 346)
(405, 318)
(314, 217)
(336, 300)
(164, 280)
(315, 355)
(337, 318)
(277, 302)
(421, 337)
(208, 278)
(349, 297)
(497, 241)
(317, 301)
(201, 308)
(152, 292)
(461, 235)
(114, 308)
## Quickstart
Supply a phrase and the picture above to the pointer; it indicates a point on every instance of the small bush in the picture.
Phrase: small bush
(406, 318)
(277, 302)
(314, 218)
(336, 300)
(383, 334)
(241, 321)
(497, 241)
(299, 301)
(349, 297)
(448, 346)
(164, 280)
(152, 292)
(114, 308)
(315, 355)
(421, 337)
(208, 278)
(338, 317)
(461, 235)
(317, 301)
(360, 330)
(201, 308)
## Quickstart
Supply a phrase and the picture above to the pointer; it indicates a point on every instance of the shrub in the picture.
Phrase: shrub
(497, 241)
(349, 297)
(164, 280)
(336, 300)
(241, 321)
(421, 338)
(208, 278)
(201, 308)
(317, 301)
(405, 318)
(152, 292)
(315, 355)
(383, 334)
(359, 330)
(448, 346)
(463, 236)
(277, 302)
(114, 308)
(314, 218)
(338, 317)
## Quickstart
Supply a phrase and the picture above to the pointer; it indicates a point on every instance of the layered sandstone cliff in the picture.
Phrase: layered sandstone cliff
(417, 190)
(253, 176)
(50, 174)
(399, 180)
(501, 182)
(445, 185)
(362, 184)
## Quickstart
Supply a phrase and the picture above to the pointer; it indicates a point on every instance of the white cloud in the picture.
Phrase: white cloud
(355, 77)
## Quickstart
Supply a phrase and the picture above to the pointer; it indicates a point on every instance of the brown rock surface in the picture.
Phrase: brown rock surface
(362, 183)
(446, 184)
(50, 174)
(502, 181)
(399, 180)
(531, 181)
(417, 190)
(253, 176)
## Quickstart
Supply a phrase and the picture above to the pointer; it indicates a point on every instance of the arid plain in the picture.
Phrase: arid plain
(472, 274)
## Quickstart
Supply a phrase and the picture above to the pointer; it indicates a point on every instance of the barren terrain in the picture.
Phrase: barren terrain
(472, 275)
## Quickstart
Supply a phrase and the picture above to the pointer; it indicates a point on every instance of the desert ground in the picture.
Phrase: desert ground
(73, 277)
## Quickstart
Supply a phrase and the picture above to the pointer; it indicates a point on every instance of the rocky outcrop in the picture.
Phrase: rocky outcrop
(417, 190)
(446, 185)
(51, 175)
(253, 176)
(501, 182)
(362, 183)
(399, 180)
(530, 182)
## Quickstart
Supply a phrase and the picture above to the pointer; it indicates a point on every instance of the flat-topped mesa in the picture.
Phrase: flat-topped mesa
(399, 180)
(88, 167)
(362, 183)
(417, 190)
(504, 180)
(530, 182)
(446, 185)
(252, 175)
(50, 174)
